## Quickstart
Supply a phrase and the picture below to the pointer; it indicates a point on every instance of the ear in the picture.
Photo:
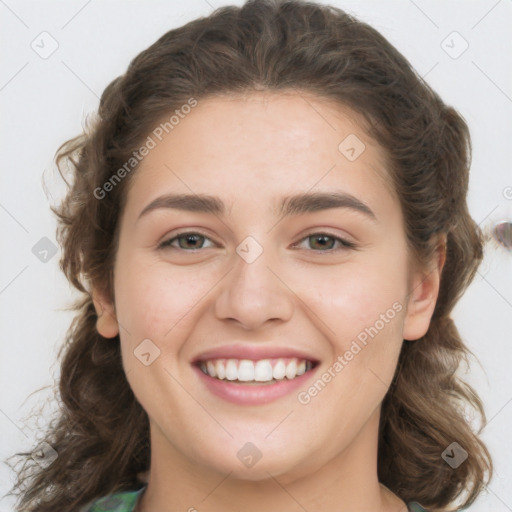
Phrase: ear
(106, 324)
(423, 292)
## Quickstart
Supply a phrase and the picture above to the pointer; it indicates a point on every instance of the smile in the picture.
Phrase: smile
(252, 382)
(263, 370)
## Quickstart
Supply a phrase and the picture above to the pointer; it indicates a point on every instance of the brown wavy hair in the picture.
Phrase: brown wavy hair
(101, 432)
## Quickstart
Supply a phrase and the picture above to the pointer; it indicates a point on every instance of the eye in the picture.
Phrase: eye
(191, 241)
(325, 242)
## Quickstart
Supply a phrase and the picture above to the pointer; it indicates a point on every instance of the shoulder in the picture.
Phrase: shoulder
(119, 502)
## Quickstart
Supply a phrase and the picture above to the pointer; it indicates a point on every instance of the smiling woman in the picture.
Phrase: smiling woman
(265, 322)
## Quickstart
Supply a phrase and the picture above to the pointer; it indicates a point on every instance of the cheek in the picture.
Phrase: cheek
(362, 305)
(355, 296)
(152, 298)
(364, 311)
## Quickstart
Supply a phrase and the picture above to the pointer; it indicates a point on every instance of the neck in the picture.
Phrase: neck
(346, 483)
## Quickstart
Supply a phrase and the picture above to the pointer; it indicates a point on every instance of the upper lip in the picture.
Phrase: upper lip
(252, 352)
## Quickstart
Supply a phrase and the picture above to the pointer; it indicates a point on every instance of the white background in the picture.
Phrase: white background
(43, 103)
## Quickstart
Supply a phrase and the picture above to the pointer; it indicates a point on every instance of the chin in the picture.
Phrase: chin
(247, 461)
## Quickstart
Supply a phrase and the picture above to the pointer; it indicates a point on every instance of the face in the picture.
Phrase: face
(260, 332)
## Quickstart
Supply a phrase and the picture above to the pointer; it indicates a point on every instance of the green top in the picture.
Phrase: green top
(126, 502)
(119, 502)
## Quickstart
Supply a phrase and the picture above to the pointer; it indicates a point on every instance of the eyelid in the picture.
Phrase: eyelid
(165, 243)
(345, 244)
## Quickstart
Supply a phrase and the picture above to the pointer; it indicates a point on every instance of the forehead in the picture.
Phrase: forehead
(261, 144)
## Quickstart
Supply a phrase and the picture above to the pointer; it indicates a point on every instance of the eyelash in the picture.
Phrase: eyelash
(345, 244)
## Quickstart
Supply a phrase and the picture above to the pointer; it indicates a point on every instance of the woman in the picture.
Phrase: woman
(268, 224)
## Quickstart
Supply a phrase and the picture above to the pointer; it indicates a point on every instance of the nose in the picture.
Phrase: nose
(255, 292)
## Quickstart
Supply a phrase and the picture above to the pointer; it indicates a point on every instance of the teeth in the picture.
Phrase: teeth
(264, 370)
(211, 369)
(220, 370)
(291, 370)
(279, 370)
(231, 370)
(246, 370)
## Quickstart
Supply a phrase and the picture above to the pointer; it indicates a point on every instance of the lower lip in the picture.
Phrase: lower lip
(252, 394)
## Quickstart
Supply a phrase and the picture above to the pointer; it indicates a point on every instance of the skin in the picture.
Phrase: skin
(251, 151)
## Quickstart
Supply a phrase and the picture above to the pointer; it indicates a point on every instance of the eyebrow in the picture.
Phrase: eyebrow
(290, 205)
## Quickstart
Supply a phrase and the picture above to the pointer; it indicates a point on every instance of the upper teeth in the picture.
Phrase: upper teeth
(247, 370)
